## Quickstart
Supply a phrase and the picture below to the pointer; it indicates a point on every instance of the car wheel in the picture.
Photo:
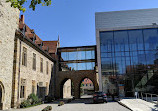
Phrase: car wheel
(105, 101)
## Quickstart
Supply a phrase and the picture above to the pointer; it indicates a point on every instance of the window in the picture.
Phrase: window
(47, 67)
(22, 91)
(34, 61)
(41, 64)
(24, 57)
(40, 84)
(23, 88)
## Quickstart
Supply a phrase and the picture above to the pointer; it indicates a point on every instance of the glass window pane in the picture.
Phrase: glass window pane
(81, 66)
(136, 40)
(151, 39)
(81, 55)
(121, 38)
(106, 42)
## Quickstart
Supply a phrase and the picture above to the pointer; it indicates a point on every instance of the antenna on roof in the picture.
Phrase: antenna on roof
(58, 41)
(58, 38)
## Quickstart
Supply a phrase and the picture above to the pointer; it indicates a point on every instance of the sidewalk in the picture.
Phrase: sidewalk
(138, 105)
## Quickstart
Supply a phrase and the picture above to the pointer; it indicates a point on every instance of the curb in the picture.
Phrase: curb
(124, 105)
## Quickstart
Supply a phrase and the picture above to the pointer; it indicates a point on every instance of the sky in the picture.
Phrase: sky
(74, 20)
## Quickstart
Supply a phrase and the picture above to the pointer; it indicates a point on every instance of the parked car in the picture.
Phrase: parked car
(99, 97)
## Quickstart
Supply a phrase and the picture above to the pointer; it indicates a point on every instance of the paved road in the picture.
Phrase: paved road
(79, 105)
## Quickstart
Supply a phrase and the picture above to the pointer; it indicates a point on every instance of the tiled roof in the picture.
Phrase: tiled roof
(45, 48)
(52, 46)
(87, 81)
(48, 46)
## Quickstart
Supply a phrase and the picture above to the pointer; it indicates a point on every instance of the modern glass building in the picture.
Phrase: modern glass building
(127, 53)
(77, 58)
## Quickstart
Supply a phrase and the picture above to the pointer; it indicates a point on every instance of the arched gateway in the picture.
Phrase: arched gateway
(76, 63)
(76, 77)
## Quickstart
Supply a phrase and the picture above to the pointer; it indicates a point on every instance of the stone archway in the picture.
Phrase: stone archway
(94, 86)
(76, 77)
(65, 85)
(78, 82)
(1, 95)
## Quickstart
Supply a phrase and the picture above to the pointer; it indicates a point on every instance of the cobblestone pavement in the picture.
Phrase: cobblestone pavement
(79, 105)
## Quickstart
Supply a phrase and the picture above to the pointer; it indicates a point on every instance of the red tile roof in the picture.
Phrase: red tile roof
(87, 81)
(50, 46)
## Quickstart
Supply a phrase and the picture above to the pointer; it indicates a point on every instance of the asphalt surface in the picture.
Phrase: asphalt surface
(78, 105)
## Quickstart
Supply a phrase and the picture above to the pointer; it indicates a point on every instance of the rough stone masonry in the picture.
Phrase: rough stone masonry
(9, 19)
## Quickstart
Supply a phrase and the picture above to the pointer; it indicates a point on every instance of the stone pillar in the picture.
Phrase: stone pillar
(96, 85)
(15, 82)
(9, 19)
(76, 90)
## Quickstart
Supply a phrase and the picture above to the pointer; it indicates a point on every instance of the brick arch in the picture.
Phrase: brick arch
(93, 81)
(76, 77)
(62, 82)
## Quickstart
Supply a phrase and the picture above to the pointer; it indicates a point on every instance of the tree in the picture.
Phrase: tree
(19, 3)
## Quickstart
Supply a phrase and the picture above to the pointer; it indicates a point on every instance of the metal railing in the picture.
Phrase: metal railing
(149, 97)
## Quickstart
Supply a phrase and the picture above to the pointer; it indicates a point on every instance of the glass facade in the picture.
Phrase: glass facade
(77, 58)
(129, 61)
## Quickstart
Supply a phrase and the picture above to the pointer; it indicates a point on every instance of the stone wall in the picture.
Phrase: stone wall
(9, 18)
(32, 77)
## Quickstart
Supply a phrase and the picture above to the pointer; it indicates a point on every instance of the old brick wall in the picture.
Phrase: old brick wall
(76, 77)
(9, 18)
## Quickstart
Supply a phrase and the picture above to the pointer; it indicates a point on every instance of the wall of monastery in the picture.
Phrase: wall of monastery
(28, 73)
(9, 18)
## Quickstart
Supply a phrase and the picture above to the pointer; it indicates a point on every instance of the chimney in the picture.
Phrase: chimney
(22, 19)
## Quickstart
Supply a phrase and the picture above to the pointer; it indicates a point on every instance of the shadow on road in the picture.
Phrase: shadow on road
(86, 101)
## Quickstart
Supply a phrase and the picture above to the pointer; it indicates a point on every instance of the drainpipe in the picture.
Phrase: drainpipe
(19, 74)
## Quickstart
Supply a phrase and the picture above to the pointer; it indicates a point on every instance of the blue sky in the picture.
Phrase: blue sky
(74, 20)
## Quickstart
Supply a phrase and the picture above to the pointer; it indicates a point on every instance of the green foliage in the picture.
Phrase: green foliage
(48, 108)
(32, 100)
(19, 4)
(61, 103)
(82, 84)
(25, 103)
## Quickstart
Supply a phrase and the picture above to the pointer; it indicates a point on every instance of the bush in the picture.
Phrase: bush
(34, 99)
(25, 103)
(61, 103)
(48, 108)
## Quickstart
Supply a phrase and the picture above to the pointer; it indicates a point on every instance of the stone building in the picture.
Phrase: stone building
(33, 64)
(87, 86)
(9, 20)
